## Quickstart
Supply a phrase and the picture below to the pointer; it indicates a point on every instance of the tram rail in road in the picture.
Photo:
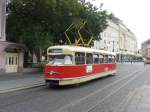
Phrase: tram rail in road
(115, 91)
(78, 98)
(95, 99)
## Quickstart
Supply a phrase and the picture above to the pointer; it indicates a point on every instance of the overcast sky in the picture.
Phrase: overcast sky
(135, 14)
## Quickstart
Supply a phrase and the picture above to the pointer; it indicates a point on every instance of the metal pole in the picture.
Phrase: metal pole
(113, 45)
(2, 20)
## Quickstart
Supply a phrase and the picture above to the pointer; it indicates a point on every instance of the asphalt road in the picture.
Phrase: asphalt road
(103, 95)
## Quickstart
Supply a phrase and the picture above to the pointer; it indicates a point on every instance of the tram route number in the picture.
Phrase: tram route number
(89, 68)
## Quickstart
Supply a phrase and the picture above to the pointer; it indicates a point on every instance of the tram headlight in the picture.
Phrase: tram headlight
(53, 72)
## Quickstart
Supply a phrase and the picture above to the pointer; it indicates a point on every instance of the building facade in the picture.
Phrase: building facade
(109, 38)
(11, 54)
(118, 38)
(146, 49)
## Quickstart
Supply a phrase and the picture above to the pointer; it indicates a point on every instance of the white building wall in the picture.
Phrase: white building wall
(131, 43)
(117, 38)
(109, 38)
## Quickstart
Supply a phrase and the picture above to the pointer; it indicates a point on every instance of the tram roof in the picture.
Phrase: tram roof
(80, 49)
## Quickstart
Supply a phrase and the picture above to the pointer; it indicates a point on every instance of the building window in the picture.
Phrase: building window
(12, 60)
(105, 41)
(16, 60)
(9, 60)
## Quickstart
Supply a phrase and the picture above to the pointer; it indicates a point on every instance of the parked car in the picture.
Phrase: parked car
(147, 62)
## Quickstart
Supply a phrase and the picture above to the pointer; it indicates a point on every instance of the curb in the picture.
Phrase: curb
(22, 87)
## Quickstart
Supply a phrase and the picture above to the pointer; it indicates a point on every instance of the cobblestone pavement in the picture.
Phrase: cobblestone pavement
(137, 101)
(120, 93)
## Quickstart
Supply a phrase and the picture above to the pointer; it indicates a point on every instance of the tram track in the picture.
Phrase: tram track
(70, 99)
(101, 94)
(115, 91)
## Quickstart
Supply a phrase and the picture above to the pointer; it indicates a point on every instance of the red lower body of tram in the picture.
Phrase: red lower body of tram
(68, 75)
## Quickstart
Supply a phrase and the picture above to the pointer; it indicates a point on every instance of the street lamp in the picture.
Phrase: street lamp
(113, 46)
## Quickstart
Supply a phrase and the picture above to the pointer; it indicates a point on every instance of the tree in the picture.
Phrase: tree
(28, 23)
(41, 23)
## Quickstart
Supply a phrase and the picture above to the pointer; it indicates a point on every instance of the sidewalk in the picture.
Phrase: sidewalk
(137, 101)
(130, 63)
(13, 82)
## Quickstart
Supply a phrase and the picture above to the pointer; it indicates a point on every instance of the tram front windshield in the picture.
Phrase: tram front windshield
(60, 59)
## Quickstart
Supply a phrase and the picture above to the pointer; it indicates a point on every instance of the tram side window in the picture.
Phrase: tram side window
(79, 58)
(101, 58)
(105, 58)
(89, 58)
(60, 59)
(110, 59)
(96, 58)
(67, 60)
(113, 59)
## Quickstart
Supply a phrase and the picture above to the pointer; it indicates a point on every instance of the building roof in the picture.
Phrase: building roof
(147, 42)
(115, 20)
(9, 46)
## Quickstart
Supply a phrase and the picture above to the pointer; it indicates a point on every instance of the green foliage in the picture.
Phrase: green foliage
(147, 57)
(41, 23)
(96, 20)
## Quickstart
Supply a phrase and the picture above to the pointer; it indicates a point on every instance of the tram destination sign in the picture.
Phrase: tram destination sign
(55, 51)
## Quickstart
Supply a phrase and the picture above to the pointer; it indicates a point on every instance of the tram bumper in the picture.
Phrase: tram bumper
(52, 82)
(62, 82)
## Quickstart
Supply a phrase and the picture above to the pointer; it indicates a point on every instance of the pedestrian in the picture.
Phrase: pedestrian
(144, 64)
(131, 61)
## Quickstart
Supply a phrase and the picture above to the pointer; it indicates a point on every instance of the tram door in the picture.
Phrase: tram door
(11, 62)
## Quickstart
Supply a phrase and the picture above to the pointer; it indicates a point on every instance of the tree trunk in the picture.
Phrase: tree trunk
(40, 54)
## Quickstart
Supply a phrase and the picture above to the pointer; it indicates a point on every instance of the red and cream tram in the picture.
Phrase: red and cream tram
(74, 64)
